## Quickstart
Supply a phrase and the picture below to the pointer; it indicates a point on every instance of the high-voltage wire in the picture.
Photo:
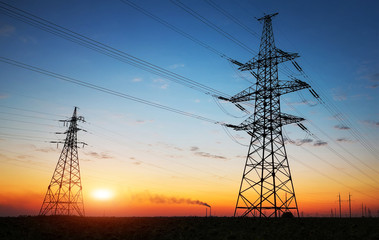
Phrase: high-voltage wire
(328, 105)
(105, 90)
(329, 163)
(333, 179)
(231, 17)
(172, 27)
(103, 48)
(334, 151)
(212, 25)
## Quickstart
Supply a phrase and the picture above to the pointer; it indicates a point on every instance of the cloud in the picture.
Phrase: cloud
(205, 154)
(46, 150)
(175, 66)
(6, 30)
(3, 96)
(208, 155)
(370, 123)
(137, 80)
(305, 102)
(340, 97)
(306, 140)
(162, 199)
(320, 143)
(101, 155)
(341, 127)
(194, 149)
(344, 140)
(23, 157)
(298, 142)
(374, 77)
(169, 146)
(162, 83)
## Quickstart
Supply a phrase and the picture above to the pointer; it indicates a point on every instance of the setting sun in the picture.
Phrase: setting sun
(102, 194)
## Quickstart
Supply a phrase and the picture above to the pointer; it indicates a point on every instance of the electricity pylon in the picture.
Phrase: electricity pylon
(266, 188)
(64, 193)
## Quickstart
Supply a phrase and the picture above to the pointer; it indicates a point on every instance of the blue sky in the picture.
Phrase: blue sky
(337, 42)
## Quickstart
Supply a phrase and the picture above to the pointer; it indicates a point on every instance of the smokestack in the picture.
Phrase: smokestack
(206, 210)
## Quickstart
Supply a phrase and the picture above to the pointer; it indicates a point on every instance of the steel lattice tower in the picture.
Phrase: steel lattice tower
(64, 193)
(266, 188)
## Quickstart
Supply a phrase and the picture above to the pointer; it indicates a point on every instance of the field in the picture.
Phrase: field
(112, 228)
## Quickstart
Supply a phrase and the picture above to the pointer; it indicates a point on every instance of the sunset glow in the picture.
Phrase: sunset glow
(154, 139)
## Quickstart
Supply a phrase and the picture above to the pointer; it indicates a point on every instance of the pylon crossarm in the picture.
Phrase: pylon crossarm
(246, 95)
(236, 62)
(292, 86)
(286, 118)
(280, 56)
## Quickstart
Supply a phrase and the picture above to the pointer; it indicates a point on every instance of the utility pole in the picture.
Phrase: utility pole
(339, 201)
(266, 176)
(350, 204)
(64, 193)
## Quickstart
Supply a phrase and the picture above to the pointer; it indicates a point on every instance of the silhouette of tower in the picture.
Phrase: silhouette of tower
(266, 188)
(64, 193)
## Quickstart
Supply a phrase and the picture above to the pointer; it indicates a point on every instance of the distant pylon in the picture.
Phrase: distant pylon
(64, 193)
(266, 188)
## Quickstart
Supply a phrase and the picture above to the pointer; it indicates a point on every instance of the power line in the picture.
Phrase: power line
(103, 48)
(231, 17)
(32, 111)
(105, 90)
(212, 25)
(334, 151)
(328, 105)
(28, 116)
(172, 27)
(333, 179)
(330, 164)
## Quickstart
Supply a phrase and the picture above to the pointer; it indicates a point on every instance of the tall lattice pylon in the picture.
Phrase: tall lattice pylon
(266, 188)
(64, 193)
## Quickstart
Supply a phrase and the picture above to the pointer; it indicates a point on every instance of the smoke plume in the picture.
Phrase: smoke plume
(161, 199)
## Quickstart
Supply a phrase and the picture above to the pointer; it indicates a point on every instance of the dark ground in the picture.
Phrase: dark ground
(112, 228)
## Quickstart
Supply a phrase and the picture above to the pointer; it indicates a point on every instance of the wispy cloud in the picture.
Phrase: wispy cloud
(3, 96)
(341, 127)
(46, 150)
(175, 66)
(373, 80)
(299, 142)
(161, 82)
(137, 80)
(370, 123)
(339, 95)
(344, 140)
(205, 154)
(7, 30)
(320, 143)
(169, 146)
(101, 155)
(194, 149)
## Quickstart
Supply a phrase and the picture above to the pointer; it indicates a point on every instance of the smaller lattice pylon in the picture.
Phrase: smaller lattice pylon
(64, 193)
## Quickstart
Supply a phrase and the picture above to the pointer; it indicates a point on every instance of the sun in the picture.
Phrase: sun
(102, 194)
